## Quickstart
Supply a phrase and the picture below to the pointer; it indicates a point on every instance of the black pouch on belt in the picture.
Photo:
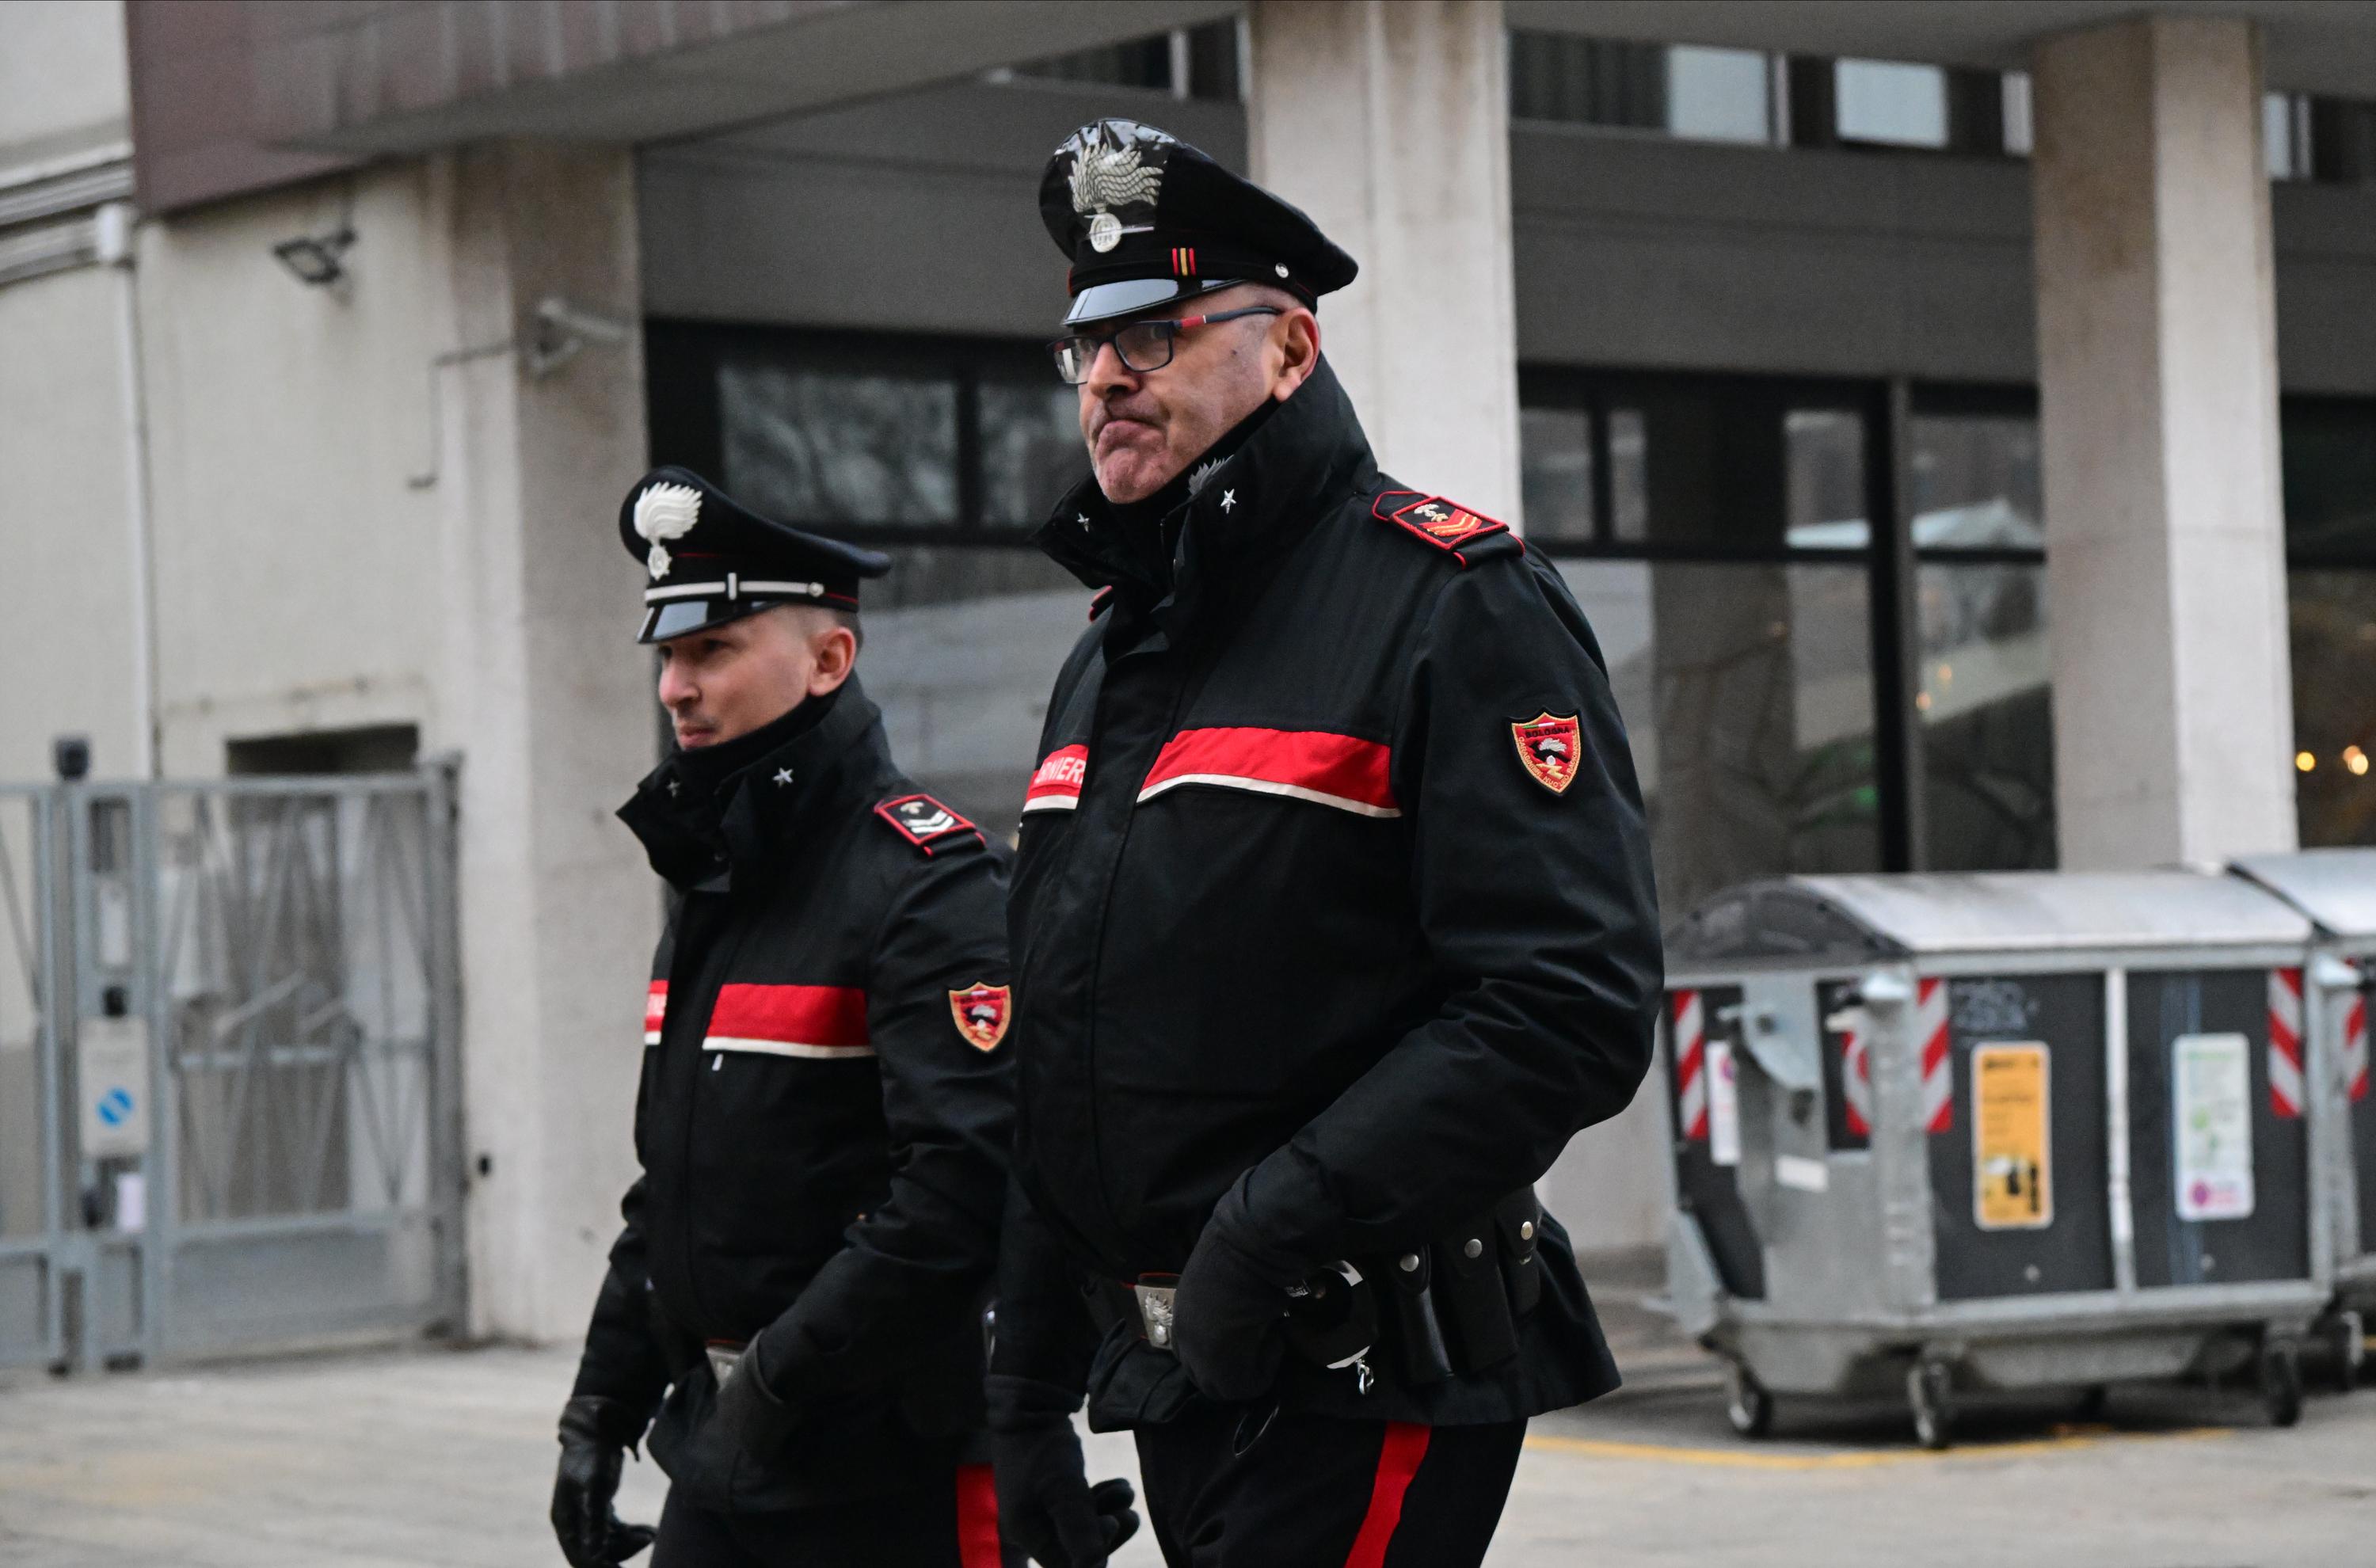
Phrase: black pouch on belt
(1404, 1289)
(1477, 1326)
(1518, 1221)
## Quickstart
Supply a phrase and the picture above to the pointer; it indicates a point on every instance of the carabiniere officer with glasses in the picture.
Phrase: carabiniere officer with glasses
(1332, 922)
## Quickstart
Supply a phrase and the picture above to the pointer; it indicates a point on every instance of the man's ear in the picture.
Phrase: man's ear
(836, 651)
(1298, 345)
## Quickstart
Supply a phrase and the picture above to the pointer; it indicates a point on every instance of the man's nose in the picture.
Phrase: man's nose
(675, 688)
(1108, 375)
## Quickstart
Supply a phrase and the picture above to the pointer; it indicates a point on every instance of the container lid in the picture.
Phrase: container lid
(1835, 920)
(2335, 887)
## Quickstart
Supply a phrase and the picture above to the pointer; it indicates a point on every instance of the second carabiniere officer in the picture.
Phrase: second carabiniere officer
(1333, 922)
(823, 1116)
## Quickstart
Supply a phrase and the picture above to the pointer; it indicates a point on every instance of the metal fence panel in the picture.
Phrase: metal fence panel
(254, 1090)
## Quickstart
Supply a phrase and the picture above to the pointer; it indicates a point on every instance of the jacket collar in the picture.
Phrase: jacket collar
(698, 837)
(1249, 508)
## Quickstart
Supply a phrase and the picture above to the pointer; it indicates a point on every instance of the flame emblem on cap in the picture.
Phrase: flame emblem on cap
(664, 512)
(1106, 177)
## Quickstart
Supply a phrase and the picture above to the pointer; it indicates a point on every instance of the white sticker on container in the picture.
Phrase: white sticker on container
(2211, 1094)
(1724, 1105)
(1798, 1170)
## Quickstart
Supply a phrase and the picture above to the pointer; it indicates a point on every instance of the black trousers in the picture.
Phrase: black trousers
(951, 1526)
(1315, 1491)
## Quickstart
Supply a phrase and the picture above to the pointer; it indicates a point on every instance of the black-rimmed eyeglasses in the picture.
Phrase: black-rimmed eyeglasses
(1143, 345)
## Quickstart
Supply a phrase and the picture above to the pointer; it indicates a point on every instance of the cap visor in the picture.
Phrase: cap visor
(682, 617)
(1103, 302)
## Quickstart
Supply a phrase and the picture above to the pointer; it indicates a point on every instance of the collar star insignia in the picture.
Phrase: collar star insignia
(676, 787)
(1082, 518)
(783, 776)
(1228, 500)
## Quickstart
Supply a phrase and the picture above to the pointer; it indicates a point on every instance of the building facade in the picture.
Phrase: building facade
(1959, 422)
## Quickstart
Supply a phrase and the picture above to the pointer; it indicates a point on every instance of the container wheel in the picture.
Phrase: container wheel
(1929, 1388)
(2281, 1382)
(2350, 1347)
(1747, 1406)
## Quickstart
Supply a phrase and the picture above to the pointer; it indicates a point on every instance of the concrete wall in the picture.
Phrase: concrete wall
(69, 655)
(301, 581)
(63, 86)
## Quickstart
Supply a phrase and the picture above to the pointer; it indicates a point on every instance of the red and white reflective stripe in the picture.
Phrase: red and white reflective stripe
(654, 1011)
(2355, 1048)
(1938, 1062)
(1057, 786)
(2285, 1041)
(1856, 1076)
(1398, 1461)
(1343, 771)
(978, 1545)
(1690, 1065)
(817, 1021)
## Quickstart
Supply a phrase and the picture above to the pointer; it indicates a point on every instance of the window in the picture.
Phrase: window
(1186, 63)
(946, 453)
(1718, 530)
(1713, 529)
(1708, 94)
(2329, 456)
(1897, 105)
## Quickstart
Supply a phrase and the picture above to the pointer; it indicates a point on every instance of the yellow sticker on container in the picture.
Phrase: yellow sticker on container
(2012, 1164)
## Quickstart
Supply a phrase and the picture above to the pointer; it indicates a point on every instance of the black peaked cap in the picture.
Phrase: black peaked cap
(1148, 219)
(709, 559)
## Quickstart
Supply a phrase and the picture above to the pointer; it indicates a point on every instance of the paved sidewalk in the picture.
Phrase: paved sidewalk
(442, 1459)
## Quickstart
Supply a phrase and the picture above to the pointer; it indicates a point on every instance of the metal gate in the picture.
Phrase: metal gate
(227, 1076)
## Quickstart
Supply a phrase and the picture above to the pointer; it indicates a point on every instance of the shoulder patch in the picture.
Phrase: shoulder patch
(1444, 524)
(923, 821)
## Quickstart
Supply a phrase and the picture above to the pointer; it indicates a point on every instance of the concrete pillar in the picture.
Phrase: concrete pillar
(554, 710)
(1389, 121)
(2173, 715)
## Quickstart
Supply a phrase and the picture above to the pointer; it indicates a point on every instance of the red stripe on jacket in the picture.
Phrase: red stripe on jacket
(825, 1016)
(1314, 765)
(654, 1011)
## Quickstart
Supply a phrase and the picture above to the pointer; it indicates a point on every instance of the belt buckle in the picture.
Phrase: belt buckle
(1155, 1318)
(725, 1355)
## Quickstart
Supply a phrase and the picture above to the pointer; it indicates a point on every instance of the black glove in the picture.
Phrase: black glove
(749, 1414)
(1045, 1502)
(1230, 1311)
(595, 1436)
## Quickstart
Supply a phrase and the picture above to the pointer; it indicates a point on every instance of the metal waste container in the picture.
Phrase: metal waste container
(2336, 889)
(1943, 1134)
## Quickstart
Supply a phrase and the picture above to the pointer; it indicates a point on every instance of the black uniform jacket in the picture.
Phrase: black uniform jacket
(1333, 871)
(823, 1122)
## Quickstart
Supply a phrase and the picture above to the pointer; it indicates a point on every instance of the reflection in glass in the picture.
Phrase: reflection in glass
(1976, 481)
(820, 445)
(962, 646)
(2328, 453)
(1988, 738)
(2333, 624)
(1747, 691)
(1031, 450)
(1628, 475)
(1825, 449)
(1555, 472)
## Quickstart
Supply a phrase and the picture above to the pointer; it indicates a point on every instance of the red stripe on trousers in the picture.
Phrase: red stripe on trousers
(1343, 766)
(1398, 1461)
(791, 1014)
(978, 1545)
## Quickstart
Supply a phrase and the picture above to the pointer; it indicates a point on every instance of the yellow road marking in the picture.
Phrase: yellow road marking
(2063, 1438)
